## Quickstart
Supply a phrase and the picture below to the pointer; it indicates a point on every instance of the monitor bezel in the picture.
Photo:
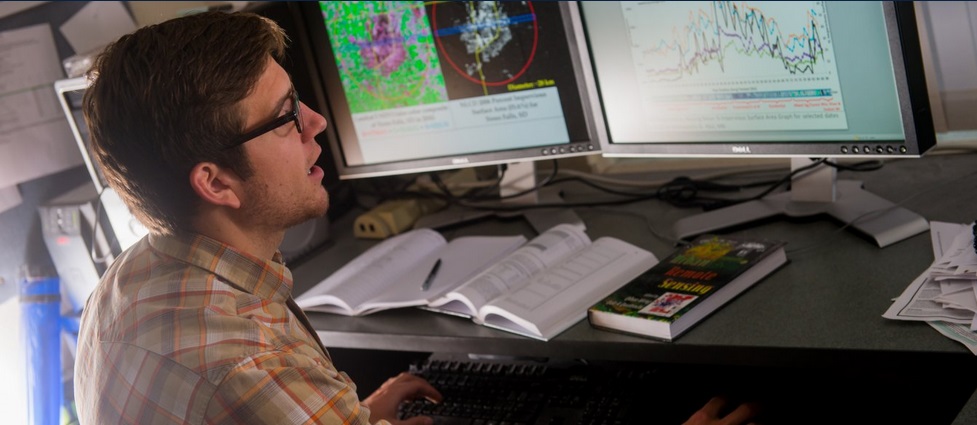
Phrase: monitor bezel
(910, 80)
(340, 125)
(64, 88)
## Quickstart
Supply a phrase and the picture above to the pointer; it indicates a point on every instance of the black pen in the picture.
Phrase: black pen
(430, 276)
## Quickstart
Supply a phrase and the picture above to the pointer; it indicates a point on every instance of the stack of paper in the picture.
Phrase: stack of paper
(945, 295)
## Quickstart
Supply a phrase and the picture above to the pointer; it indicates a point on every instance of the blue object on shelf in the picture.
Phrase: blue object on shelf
(40, 301)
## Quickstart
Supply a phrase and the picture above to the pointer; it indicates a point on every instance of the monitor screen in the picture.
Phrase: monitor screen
(761, 78)
(815, 79)
(421, 86)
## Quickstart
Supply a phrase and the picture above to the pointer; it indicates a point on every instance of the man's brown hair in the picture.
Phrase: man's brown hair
(166, 98)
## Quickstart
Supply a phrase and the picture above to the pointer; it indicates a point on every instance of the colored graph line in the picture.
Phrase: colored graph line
(711, 35)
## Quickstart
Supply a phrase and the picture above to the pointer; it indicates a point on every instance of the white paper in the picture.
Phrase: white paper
(917, 302)
(948, 243)
(957, 333)
(8, 8)
(958, 300)
(96, 25)
(922, 299)
(942, 235)
(35, 139)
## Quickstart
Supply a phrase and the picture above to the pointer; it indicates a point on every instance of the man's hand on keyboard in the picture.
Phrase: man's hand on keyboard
(711, 414)
(384, 401)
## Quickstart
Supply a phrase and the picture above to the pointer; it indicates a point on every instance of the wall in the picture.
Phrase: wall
(952, 30)
(20, 228)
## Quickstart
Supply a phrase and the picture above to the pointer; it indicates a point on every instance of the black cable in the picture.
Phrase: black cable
(379, 188)
(501, 169)
(445, 191)
(859, 167)
(786, 179)
(538, 186)
(681, 191)
(91, 249)
(483, 197)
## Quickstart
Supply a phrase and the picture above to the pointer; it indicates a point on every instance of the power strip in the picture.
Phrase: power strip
(393, 217)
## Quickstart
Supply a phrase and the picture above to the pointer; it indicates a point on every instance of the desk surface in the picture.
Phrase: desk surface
(823, 308)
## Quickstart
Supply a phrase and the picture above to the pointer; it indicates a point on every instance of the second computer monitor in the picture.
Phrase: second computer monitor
(764, 78)
(767, 79)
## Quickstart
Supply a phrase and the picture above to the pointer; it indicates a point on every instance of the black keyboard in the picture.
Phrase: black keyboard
(494, 391)
(523, 392)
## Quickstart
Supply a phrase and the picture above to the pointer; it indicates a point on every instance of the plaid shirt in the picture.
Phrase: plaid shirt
(186, 330)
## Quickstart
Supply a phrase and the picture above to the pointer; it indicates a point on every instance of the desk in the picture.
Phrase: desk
(822, 309)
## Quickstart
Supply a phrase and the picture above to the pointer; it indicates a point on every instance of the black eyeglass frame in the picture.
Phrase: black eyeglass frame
(294, 115)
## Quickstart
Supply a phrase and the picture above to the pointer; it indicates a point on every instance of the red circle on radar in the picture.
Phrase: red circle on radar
(532, 52)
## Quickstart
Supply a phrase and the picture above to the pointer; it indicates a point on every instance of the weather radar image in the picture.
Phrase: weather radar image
(451, 68)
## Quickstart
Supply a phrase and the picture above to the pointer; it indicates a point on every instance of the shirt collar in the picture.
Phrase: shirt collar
(263, 278)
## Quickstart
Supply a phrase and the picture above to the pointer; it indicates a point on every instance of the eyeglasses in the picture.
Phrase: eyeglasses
(294, 115)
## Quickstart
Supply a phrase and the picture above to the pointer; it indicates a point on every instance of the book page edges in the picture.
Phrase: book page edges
(665, 329)
(561, 312)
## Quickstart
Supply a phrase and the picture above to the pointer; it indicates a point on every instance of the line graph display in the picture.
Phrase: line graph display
(729, 66)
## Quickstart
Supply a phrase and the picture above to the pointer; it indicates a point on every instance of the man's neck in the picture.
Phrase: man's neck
(261, 243)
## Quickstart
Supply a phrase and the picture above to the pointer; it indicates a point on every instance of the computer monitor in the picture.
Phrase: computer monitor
(800, 80)
(125, 228)
(424, 86)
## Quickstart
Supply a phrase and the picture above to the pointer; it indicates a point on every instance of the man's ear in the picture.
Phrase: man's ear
(215, 185)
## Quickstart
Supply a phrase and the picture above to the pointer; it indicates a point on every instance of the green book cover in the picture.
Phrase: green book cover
(687, 285)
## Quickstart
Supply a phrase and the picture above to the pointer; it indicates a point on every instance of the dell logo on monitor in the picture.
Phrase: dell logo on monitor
(741, 149)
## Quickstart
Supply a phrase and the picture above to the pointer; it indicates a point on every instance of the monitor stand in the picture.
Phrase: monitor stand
(816, 192)
(519, 177)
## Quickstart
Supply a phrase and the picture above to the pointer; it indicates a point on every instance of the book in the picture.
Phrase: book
(400, 272)
(545, 286)
(687, 286)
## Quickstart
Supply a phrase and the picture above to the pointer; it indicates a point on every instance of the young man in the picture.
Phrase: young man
(199, 129)
(201, 132)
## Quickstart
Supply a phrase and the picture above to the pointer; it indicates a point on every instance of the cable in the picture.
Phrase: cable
(648, 224)
(654, 184)
(91, 251)
(786, 179)
(863, 166)
(500, 169)
(683, 191)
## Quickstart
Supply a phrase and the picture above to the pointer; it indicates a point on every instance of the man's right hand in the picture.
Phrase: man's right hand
(710, 413)
(384, 401)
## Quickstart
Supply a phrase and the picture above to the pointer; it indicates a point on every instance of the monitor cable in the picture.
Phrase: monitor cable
(106, 257)
(682, 191)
